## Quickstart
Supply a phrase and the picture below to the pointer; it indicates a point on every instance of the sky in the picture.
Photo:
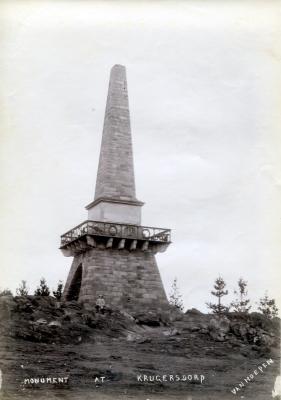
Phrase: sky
(204, 93)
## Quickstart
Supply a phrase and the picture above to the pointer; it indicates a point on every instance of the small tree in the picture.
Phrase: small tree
(58, 293)
(219, 292)
(6, 292)
(42, 289)
(268, 307)
(22, 290)
(241, 304)
(175, 298)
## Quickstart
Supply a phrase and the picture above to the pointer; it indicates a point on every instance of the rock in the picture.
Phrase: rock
(149, 319)
(71, 305)
(24, 305)
(195, 328)
(203, 327)
(144, 340)
(221, 324)
(127, 315)
(86, 317)
(243, 330)
(265, 340)
(174, 314)
(171, 332)
(194, 311)
(58, 304)
(236, 328)
(75, 316)
(55, 323)
(34, 300)
(256, 319)
(133, 337)
(219, 336)
(218, 328)
(41, 321)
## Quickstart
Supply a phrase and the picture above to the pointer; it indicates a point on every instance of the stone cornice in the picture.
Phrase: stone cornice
(111, 200)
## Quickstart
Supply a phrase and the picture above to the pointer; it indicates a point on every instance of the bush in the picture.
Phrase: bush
(58, 293)
(42, 289)
(22, 290)
(6, 292)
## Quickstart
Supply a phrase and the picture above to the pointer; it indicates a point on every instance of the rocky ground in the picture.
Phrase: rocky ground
(61, 351)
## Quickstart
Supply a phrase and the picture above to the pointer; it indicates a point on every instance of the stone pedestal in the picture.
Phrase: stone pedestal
(128, 280)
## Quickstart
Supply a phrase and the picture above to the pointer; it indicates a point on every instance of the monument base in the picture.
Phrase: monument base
(128, 280)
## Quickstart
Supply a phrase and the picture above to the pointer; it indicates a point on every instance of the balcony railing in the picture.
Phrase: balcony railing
(124, 231)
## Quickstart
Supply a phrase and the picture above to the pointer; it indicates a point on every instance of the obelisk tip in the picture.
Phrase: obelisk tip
(118, 66)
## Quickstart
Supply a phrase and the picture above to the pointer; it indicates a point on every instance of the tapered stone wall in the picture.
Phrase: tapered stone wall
(128, 281)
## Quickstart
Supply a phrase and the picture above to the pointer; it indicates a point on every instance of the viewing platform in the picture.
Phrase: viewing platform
(113, 235)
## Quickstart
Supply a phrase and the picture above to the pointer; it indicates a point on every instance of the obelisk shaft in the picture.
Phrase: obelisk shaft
(115, 177)
(115, 195)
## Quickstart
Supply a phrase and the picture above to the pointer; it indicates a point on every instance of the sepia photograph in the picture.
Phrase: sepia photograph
(140, 170)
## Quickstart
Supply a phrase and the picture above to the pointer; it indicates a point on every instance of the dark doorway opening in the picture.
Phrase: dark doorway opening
(75, 286)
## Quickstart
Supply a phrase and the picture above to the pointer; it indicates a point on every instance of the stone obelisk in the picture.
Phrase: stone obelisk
(114, 255)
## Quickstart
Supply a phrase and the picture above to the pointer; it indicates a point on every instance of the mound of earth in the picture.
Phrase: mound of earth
(54, 350)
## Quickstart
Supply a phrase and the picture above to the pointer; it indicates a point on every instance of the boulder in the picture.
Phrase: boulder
(41, 321)
(55, 323)
(171, 332)
(24, 305)
(203, 327)
(127, 315)
(86, 317)
(149, 319)
(194, 311)
(71, 305)
(133, 337)
(264, 339)
(219, 327)
(242, 330)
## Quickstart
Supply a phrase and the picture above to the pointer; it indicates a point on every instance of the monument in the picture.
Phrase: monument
(114, 255)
